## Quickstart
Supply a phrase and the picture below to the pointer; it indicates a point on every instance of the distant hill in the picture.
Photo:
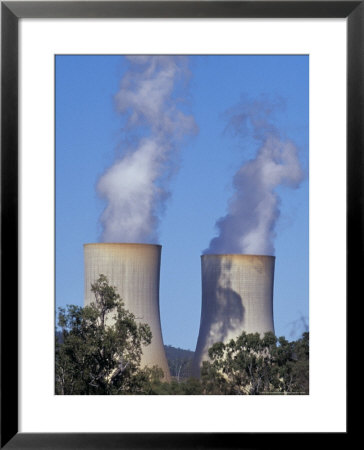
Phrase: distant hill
(179, 362)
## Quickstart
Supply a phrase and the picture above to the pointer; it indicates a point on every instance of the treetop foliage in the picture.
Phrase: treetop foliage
(101, 347)
(100, 358)
(252, 364)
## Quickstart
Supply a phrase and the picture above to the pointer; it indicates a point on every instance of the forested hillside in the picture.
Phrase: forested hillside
(179, 362)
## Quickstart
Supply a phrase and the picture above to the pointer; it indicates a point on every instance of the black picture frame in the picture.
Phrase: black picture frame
(11, 12)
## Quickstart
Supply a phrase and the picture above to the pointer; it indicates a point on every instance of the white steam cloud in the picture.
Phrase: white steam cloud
(253, 210)
(135, 187)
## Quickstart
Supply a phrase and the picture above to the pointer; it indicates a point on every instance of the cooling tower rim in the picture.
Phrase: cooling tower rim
(237, 255)
(124, 244)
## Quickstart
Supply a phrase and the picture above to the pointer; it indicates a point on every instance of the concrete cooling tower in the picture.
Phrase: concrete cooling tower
(134, 270)
(237, 296)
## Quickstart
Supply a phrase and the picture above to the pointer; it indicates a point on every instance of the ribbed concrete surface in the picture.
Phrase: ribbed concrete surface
(237, 296)
(134, 270)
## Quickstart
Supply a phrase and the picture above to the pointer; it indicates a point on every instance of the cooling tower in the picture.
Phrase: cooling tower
(134, 270)
(237, 296)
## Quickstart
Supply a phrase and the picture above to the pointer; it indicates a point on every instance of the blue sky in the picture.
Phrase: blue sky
(89, 137)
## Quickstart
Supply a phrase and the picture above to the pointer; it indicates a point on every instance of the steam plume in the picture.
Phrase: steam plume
(253, 210)
(135, 186)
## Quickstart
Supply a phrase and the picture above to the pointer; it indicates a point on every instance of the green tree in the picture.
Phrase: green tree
(293, 360)
(98, 355)
(253, 365)
(190, 386)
